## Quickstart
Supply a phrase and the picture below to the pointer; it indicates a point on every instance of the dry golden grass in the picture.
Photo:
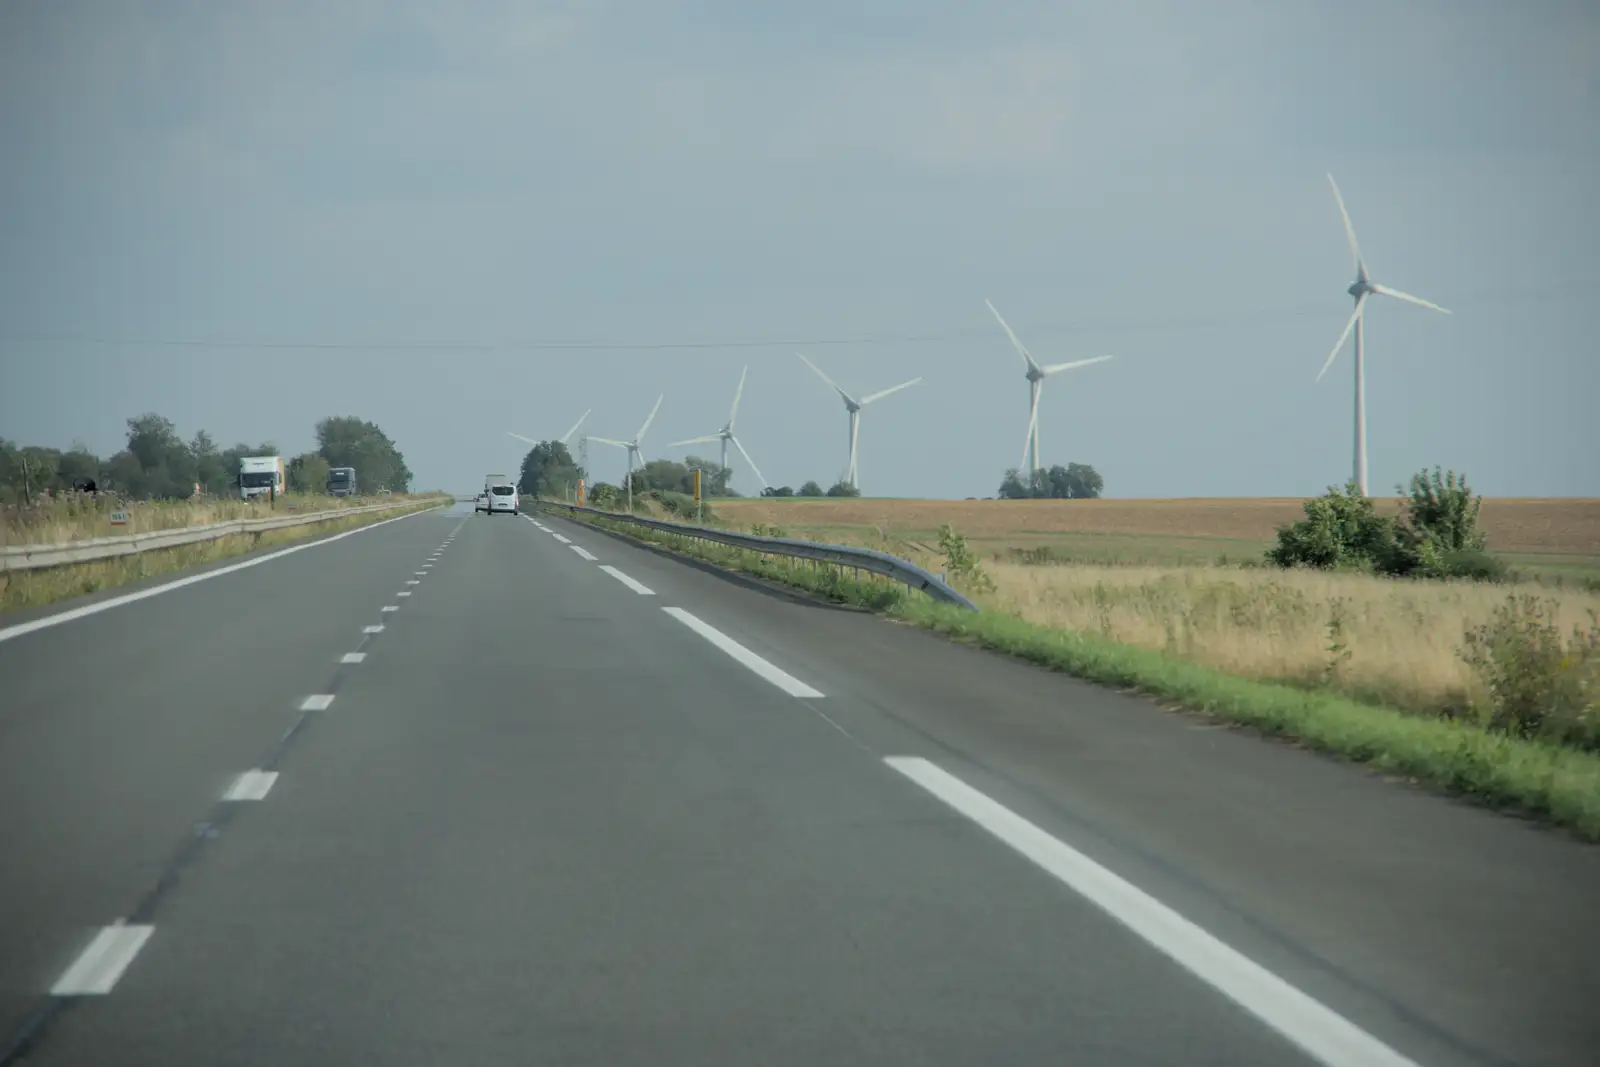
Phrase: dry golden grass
(34, 588)
(1512, 525)
(1385, 640)
(78, 517)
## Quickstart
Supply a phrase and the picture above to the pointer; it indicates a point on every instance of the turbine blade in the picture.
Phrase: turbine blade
(609, 441)
(519, 437)
(1027, 357)
(750, 461)
(568, 435)
(1349, 230)
(880, 394)
(652, 418)
(1408, 298)
(825, 378)
(1361, 303)
(694, 440)
(1057, 368)
(737, 393)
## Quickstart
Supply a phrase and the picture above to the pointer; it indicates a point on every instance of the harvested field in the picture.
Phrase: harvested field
(1538, 533)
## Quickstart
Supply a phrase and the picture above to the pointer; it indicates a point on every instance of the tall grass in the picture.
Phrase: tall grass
(81, 516)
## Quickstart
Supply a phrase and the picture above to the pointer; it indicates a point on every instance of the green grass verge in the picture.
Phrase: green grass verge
(1560, 785)
(36, 588)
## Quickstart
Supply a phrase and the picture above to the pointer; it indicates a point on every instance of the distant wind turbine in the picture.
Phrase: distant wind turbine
(725, 434)
(1036, 376)
(854, 406)
(633, 445)
(1361, 288)
(564, 438)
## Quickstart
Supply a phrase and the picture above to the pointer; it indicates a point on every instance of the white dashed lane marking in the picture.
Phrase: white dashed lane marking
(97, 968)
(1326, 1036)
(352, 657)
(251, 785)
(584, 552)
(772, 673)
(391, 607)
(372, 629)
(637, 587)
(317, 702)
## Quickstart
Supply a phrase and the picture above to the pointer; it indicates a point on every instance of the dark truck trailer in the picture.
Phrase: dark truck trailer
(342, 481)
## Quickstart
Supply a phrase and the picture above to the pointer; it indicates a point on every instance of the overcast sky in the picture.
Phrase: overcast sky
(351, 182)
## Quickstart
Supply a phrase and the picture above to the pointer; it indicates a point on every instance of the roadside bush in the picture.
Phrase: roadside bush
(1341, 531)
(604, 495)
(961, 564)
(1540, 682)
(1435, 536)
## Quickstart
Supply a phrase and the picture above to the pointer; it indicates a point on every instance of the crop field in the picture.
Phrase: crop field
(1553, 538)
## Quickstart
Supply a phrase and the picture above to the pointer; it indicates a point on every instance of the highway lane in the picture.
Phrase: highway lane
(546, 821)
(1459, 934)
(119, 731)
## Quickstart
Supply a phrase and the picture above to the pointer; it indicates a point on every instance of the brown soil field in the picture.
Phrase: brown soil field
(1512, 525)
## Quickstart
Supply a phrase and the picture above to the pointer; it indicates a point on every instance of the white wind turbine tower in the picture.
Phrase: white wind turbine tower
(1037, 373)
(854, 406)
(633, 445)
(1362, 288)
(564, 438)
(725, 434)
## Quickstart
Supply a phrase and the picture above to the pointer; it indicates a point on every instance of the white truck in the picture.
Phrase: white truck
(261, 476)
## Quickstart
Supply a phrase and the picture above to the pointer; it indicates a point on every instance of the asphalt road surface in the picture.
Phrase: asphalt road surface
(581, 803)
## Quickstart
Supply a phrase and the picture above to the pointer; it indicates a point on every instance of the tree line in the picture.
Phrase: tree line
(157, 463)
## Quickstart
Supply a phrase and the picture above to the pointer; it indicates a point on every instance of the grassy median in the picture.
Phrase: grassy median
(35, 588)
(1554, 782)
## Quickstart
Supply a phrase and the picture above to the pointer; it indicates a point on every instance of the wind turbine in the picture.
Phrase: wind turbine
(854, 406)
(564, 438)
(1362, 288)
(726, 434)
(1037, 373)
(633, 445)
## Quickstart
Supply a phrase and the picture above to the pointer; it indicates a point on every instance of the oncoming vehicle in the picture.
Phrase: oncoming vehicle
(260, 476)
(342, 481)
(503, 497)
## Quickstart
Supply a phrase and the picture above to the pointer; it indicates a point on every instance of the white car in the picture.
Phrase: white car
(503, 498)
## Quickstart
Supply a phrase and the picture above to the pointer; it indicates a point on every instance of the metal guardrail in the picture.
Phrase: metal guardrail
(867, 559)
(36, 557)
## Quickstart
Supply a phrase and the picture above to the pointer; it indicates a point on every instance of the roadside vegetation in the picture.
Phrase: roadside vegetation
(159, 481)
(1384, 638)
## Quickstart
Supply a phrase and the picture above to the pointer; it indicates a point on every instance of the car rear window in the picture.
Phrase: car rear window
(502, 490)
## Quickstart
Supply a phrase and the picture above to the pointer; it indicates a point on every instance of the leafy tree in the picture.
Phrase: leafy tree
(1340, 531)
(604, 495)
(843, 488)
(346, 441)
(713, 477)
(308, 473)
(79, 468)
(548, 470)
(123, 473)
(809, 489)
(1075, 481)
(210, 469)
(166, 466)
(777, 490)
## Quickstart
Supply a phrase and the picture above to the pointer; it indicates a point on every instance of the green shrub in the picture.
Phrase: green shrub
(1540, 682)
(1340, 531)
(961, 564)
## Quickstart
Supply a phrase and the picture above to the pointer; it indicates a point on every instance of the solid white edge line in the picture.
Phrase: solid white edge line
(1325, 1035)
(563, 540)
(352, 657)
(776, 675)
(372, 629)
(251, 785)
(100, 965)
(21, 628)
(316, 702)
(637, 587)
(584, 552)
